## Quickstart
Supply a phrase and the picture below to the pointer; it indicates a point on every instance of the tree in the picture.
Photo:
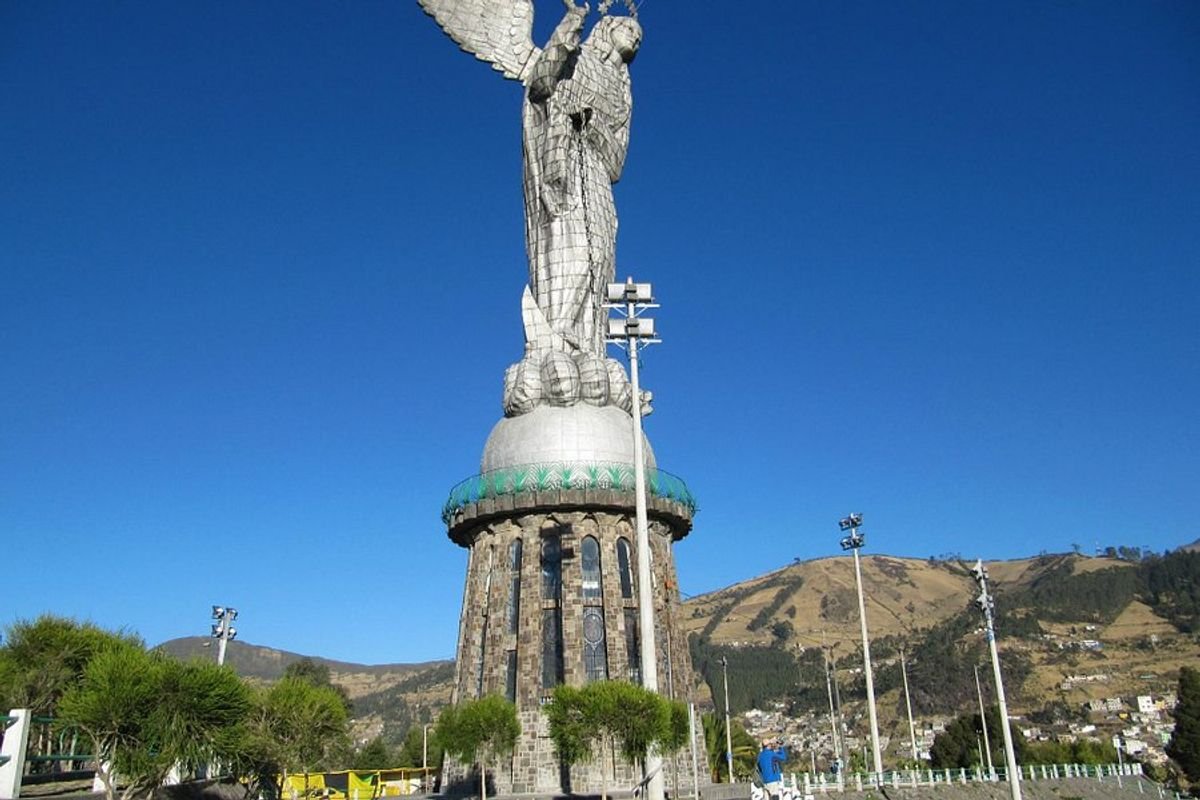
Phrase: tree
(374, 755)
(958, 745)
(478, 730)
(744, 749)
(146, 714)
(1184, 746)
(294, 727)
(416, 745)
(613, 714)
(40, 660)
(317, 675)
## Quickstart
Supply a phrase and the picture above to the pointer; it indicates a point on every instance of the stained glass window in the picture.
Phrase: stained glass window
(591, 569)
(595, 658)
(552, 648)
(626, 575)
(487, 597)
(514, 586)
(633, 650)
(551, 568)
(510, 678)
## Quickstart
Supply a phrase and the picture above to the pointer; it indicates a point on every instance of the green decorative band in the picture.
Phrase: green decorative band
(561, 475)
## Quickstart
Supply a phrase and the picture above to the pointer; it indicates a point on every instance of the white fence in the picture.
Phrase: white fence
(807, 783)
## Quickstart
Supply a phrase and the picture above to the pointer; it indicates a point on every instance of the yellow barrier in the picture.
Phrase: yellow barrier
(357, 784)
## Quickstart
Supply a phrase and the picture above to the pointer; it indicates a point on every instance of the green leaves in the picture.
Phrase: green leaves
(631, 717)
(40, 660)
(146, 713)
(479, 729)
(1185, 741)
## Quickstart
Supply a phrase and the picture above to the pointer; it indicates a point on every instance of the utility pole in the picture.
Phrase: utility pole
(695, 760)
(425, 756)
(912, 729)
(634, 332)
(841, 720)
(728, 729)
(837, 744)
(983, 723)
(854, 541)
(987, 606)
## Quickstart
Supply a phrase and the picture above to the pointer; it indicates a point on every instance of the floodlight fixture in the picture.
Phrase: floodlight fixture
(853, 542)
(851, 522)
(223, 630)
(630, 292)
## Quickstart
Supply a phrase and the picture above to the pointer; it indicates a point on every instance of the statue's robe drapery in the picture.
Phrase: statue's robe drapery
(576, 134)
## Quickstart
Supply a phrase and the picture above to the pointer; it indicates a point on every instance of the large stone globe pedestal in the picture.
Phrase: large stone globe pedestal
(551, 590)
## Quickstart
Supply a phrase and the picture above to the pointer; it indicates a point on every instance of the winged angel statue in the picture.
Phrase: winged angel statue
(575, 135)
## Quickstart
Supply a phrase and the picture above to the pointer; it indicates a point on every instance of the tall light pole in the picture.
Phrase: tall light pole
(634, 332)
(854, 541)
(728, 730)
(223, 630)
(987, 606)
(912, 729)
(425, 756)
(983, 722)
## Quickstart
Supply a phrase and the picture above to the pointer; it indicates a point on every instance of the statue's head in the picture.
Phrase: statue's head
(620, 35)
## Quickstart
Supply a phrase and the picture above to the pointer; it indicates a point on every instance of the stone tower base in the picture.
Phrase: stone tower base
(551, 597)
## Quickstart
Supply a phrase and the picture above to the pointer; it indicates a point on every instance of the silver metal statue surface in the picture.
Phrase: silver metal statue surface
(575, 121)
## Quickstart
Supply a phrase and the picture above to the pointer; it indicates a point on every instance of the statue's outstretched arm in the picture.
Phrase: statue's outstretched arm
(559, 54)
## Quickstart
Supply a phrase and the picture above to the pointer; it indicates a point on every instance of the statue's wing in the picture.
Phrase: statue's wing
(497, 31)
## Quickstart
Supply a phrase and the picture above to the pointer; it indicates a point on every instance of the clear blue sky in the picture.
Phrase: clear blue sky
(261, 264)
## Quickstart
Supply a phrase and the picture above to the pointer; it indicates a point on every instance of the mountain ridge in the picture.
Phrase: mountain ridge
(1060, 619)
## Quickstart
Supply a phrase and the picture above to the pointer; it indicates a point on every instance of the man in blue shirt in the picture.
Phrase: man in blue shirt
(769, 761)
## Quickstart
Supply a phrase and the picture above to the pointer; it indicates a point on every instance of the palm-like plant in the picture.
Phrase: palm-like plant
(744, 750)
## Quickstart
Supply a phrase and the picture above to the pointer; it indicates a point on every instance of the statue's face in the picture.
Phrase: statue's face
(626, 38)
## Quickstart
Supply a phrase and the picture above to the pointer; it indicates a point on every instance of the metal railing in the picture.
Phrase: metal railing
(560, 476)
(809, 783)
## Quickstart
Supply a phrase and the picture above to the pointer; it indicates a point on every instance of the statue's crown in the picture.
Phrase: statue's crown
(606, 5)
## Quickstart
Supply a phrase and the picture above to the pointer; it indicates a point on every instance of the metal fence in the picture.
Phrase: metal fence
(810, 783)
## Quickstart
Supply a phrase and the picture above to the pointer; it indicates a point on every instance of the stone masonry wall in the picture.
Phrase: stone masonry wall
(488, 641)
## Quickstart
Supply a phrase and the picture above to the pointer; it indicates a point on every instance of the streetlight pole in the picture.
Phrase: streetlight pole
(983, 722)
(635, 332)
(854, 541)
(987, 606)
(425, 756)
(728, 730)
(223, 630)
(912, 729)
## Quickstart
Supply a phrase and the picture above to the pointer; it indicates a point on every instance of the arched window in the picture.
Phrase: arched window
(591, 569)
(625, 574)
(551, 568)
(633, 650)
(552, 634)
(595, 656)
(487, 600)
(514, 585)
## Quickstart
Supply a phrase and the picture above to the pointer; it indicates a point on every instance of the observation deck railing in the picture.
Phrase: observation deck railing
(561, 476)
